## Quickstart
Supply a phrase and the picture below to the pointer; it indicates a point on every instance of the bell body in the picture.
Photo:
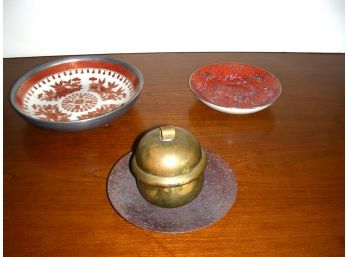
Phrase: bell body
(171, 196)
(169, 167)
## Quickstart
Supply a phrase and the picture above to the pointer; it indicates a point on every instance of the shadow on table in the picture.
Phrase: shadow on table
(263, 121)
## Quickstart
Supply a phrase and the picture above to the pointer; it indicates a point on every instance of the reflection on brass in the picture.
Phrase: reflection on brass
(168, 165)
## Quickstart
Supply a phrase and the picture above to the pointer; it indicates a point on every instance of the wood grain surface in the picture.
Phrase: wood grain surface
(288, 160)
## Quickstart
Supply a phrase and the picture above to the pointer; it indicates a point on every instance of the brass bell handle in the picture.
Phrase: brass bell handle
(167, 133)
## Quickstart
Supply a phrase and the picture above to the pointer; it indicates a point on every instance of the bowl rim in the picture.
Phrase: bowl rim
(239, 64)
(16, 86)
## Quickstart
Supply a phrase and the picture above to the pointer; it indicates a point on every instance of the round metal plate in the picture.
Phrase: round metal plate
(76, 93)
(215, 200)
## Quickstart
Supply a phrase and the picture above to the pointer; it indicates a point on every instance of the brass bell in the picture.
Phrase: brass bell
(168, 165)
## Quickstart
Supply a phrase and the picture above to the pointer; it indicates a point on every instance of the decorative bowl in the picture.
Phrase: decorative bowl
(235, 88)
(74, 94)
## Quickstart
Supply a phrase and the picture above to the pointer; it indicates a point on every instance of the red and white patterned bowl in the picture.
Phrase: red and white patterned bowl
(75, 94)
(235, 88)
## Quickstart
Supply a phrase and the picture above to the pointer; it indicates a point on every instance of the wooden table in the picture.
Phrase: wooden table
(288, 160)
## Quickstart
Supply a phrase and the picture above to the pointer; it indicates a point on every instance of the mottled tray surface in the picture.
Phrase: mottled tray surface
(214, 201)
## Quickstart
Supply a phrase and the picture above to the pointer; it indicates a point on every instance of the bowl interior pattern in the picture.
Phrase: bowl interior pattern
(76, 90)
(235, 85)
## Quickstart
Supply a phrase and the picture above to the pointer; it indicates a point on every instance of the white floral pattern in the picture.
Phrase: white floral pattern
(77, 94)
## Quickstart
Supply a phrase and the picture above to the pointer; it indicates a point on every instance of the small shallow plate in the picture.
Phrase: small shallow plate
(235, 88)
(212, 204)
(76, 93)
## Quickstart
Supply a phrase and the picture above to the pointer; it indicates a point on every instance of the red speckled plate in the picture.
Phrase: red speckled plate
(235, 88)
